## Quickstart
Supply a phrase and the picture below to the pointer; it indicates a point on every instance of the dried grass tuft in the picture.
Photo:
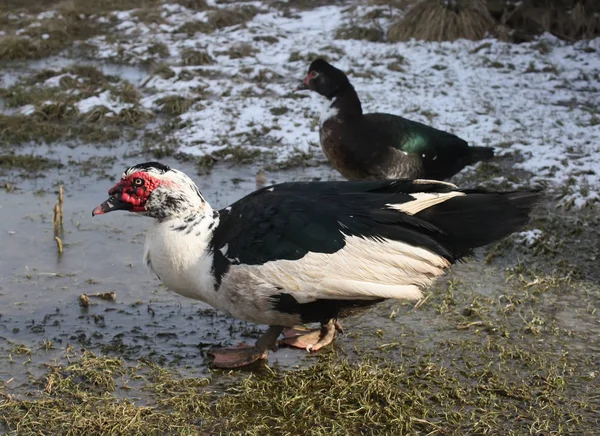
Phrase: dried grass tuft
(231, 17)
(372, 34)
(196, 5)
(566, 19)
(15, 47)
(443, 20)
(189, 56)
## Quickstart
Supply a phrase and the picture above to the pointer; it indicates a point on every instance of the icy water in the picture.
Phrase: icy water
(39, 288)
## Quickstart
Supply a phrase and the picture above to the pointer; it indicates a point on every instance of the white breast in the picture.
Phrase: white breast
(182, 261)
(328, 111)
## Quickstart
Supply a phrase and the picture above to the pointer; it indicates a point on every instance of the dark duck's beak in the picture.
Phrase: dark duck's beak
(303, 85)
(113, 203)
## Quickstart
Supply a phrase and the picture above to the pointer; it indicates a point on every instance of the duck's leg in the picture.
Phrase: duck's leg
(243, 354)
(312, 340)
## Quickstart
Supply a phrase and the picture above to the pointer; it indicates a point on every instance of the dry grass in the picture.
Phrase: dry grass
(567, 19)
(189, 56)
(220, 18)
(436, 20)
(15, 47)
(56, 115)
(174, 105)
(163, 70)
(75, 20)
(196, 5)
(193, 27)
(241, 50)
(335, 397)
(159, 49)
(440, 20)
(27, 162)
(19, 129)
(373, 34)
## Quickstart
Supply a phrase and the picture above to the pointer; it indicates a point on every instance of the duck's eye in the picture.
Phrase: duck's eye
(138, 181)
(313, 74)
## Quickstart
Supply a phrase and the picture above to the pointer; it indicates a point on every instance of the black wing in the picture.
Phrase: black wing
(287, 221)
(442, 154)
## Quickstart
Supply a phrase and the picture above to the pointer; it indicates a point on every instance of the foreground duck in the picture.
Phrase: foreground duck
(381, 146)
(298, 253)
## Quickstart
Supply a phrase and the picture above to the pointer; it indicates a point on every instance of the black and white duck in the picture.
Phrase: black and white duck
(381, 146)
(308, 252)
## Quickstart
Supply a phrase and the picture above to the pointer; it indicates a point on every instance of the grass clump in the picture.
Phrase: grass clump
(159, 49)
(174, 105)
(51, 36)
(196, 5)
(238, 155)
(221, 18)
(74, 20)
(241, 50)
(193, 27)
(77, 82)
(440, 20)
(55, 114)
(164, 71)
(334, 396)
(566, 19)
(190, 56)
(17, 47)
(28, 162)
(372, 34)
(19, 129)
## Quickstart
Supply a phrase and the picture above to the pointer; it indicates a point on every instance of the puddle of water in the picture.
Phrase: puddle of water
(11, 74)
(39, 288)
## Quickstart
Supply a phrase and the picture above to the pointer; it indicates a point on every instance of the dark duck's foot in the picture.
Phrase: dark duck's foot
(243, 354)
(311, 340)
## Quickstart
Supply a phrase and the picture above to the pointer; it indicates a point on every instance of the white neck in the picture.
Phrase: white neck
(177, 250)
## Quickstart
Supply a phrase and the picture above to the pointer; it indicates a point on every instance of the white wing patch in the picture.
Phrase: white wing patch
(328, 111)
(364, 269)
(424, 200)
(224, 249)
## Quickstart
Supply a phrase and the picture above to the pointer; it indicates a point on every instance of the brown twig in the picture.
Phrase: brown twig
(61, 200)
(59, 244)
(111, 296)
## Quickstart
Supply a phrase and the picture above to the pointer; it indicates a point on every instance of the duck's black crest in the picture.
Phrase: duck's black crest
(146, 166)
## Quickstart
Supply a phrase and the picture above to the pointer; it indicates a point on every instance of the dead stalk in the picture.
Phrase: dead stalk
(56, 219)
(59, 244)
(61, 200)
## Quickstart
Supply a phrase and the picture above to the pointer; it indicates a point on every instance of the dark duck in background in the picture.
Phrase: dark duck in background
(382, 146)
(305, 252)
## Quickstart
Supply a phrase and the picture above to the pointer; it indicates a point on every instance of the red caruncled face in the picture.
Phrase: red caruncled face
(131, 193)
(135, 189)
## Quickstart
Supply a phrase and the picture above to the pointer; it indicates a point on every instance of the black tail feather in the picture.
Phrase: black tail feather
(480, 218)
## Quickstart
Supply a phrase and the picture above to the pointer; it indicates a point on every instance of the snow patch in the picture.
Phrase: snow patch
(528, 237)
(103, 99)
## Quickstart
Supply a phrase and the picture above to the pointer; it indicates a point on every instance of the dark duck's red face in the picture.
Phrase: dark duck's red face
(151, 189)
(324, 79)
